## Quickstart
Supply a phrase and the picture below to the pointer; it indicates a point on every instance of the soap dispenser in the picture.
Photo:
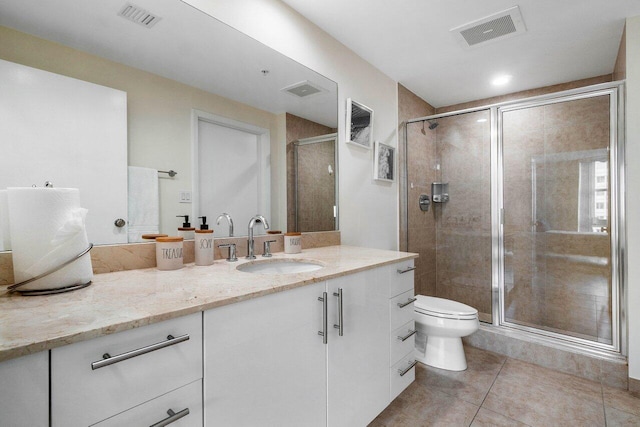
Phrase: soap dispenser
(186, 231)
(204, 225)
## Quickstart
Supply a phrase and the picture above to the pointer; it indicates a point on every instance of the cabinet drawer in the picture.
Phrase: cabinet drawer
(401, 309)
(185, 404)
(398, 347)
(81, 395)
(402, 278)
(398, 381)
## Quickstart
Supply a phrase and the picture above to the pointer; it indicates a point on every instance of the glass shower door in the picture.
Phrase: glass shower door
(557, 243)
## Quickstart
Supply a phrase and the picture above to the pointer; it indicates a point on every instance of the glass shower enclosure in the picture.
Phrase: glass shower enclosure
(529, 234)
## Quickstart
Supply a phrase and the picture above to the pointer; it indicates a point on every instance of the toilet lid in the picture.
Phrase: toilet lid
(443, 307)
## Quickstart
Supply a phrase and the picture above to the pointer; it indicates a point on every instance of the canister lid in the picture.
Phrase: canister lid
(204, 231)
(169, 239)
(274, 232)
(153, 236)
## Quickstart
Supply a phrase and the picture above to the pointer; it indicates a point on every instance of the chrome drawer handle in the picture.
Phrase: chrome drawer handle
(408, 269)
(409, 301)
(323, 333)
(340, 325)
(406, 337)
(172, 418)
(408, 368)
(110, 360)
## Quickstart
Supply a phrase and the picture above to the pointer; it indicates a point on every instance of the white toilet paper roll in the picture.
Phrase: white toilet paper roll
(47, 229)
(5, 237)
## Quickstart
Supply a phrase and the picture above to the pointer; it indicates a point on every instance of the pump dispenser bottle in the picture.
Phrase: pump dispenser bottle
(186, 231)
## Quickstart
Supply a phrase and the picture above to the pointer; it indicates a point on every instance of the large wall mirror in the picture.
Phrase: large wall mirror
(190, 81)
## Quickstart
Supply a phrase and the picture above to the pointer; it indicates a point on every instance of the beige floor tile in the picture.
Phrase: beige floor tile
(418, 406)
(471, 385)
(622, 400)
(487, 418)
(617, 418)
(541, 397)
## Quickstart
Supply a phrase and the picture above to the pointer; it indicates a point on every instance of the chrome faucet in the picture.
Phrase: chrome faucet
(256, 219)
(229, 220)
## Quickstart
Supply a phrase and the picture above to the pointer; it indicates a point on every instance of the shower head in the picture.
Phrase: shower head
(432, 124)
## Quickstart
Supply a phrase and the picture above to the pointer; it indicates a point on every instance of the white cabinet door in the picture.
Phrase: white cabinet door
(265, 362)
(358, 361)
(24, 391)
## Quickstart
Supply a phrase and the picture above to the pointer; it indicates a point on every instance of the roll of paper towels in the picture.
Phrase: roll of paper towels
(5, 237)
(47, 227)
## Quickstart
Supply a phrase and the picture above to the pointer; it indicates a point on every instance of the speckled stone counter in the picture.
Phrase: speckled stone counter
(127, 299)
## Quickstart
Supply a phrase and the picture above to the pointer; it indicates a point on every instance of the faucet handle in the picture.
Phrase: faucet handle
(267, 248)
(232, 251)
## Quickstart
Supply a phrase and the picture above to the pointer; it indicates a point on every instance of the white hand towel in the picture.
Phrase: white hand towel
(144, 203)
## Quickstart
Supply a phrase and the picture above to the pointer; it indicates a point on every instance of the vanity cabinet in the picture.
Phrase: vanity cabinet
(358, 361)
(96, 379)
(402, 337)
(266, 363)
(24, 391)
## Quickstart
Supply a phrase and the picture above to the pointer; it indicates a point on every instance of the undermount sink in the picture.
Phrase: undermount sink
(280, 266)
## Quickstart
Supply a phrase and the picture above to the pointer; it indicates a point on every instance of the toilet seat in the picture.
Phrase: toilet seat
(444, 308)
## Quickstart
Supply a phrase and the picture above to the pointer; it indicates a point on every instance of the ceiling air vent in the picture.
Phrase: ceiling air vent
(498, 26)
(138, 15)
(303, 89)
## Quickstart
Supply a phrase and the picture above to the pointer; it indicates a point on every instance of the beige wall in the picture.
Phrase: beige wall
(159, 116)
(620, 69)
(368, 209)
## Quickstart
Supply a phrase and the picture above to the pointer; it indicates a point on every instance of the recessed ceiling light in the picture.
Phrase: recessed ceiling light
(501, 80)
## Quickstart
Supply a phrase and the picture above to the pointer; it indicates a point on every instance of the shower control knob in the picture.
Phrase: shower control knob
(119, 222)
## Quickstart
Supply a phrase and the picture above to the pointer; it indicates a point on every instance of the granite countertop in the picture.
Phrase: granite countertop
(124, 300)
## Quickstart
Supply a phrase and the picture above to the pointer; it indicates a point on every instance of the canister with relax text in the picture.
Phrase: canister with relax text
(169, 253)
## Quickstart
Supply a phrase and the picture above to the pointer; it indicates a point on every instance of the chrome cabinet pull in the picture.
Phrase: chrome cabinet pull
(172, 418)
(406, 337)
(110, 360)
(409, 301)
(340, 325)
(408, 368)
(323, 332)
(408, 269)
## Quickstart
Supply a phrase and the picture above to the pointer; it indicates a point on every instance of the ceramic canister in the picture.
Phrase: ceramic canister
(204, 247)
(169, 254)
(292, 243)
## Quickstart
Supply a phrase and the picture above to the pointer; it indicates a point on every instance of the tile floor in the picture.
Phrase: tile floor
(499, 391)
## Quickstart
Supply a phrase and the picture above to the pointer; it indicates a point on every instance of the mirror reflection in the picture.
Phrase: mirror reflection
(180, 77)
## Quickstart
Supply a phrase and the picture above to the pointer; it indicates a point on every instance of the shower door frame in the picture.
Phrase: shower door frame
(617, 225)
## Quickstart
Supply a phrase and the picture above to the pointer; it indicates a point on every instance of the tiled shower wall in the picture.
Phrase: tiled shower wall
(321, 218)
(454, 239)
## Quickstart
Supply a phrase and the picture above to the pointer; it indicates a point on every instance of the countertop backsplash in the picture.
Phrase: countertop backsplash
(133, 256)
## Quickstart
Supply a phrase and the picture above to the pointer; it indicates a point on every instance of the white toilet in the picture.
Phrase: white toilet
(440, 325)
